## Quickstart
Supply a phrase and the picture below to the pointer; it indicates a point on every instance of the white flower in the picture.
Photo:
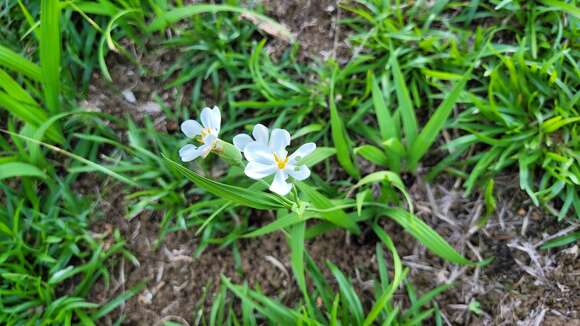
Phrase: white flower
(206, 133)
(261, 136)
(273, 159)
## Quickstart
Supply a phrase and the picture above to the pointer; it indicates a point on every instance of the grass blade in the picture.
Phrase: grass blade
(175, 15)
(339, 135)
(398, 277)
(20, 169)
(19, 64)
(338, 216)
(405, 105)
(435, 124)
(563, 6)
(426, 235)
(50, 52)
(386, 123)
(241, 196)
(120, 299)
(347, 291)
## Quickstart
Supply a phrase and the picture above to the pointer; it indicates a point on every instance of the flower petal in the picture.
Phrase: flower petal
(206, 148)
(279, 185)
(261, 134)
(216, 119)
(279, 140)
(191, 128)
(241, 141)
(258, 171)
(302, 152)
(255, 152)
(298, 172)
(211, 118)
(189, 153)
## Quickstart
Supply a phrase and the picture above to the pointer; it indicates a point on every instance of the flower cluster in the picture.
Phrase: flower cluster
(265, 151)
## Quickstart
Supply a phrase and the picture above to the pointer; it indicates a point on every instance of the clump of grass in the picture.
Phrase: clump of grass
(333, 303)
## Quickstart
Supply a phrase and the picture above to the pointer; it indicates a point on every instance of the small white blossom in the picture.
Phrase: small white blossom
(261, 136)
(206, 133)
(265, 160)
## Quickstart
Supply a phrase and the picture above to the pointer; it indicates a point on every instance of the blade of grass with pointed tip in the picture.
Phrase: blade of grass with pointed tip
(339, 135)
(386, 123)
(19, 64)
(117, 301)
(425, 299)
(319, 155)
(81, 159)
(347, 291)
(296, 242)
(398, 277)
(241, 196)
(436, 123)
(175, 15)
(426, 235)
(20, 169)
(563, 6)
(50, 52)
(337, 217)
(279, 224)
(372, 154)
(404, 100)
(273, 310)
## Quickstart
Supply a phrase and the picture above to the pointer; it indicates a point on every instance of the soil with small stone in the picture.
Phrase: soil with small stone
(523, 285)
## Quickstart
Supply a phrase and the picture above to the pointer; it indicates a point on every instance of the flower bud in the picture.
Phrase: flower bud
(228, 153)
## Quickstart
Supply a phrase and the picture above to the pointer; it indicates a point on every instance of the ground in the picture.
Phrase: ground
(523, 285)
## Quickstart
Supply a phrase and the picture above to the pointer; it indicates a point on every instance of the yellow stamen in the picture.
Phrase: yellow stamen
(203, 134)
(281, 163)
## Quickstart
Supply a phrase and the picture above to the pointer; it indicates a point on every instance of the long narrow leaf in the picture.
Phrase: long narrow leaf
(338, 216)
(405, 105)
(426, 235)
(241, 196)
(20, 169)
(50, 52)
(339, 135)
(434, 126)
(19, 64)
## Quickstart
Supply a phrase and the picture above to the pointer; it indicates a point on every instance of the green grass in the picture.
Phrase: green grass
(501, 75)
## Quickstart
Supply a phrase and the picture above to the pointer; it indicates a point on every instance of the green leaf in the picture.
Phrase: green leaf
(398, 277)
(269, 308)
(81, 159)
(562, 241)
(241, 196)
(435, 124)
(339, 135)
(19, 64)
(425, 299)
(117, 301)
(177, 14)
(373, 154)
(296, 242)
(566, 7)
(338, 216)
(20, 169)
(280, 223)
(386, 124)
(389, 176)
(405, 104)
(347, 291)
(319, 155)
(426, 235)
(50, 52)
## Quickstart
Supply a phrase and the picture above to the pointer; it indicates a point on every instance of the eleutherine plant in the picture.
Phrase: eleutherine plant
(266, 153)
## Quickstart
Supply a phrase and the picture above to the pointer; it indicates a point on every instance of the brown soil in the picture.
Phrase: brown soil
(523, 285)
